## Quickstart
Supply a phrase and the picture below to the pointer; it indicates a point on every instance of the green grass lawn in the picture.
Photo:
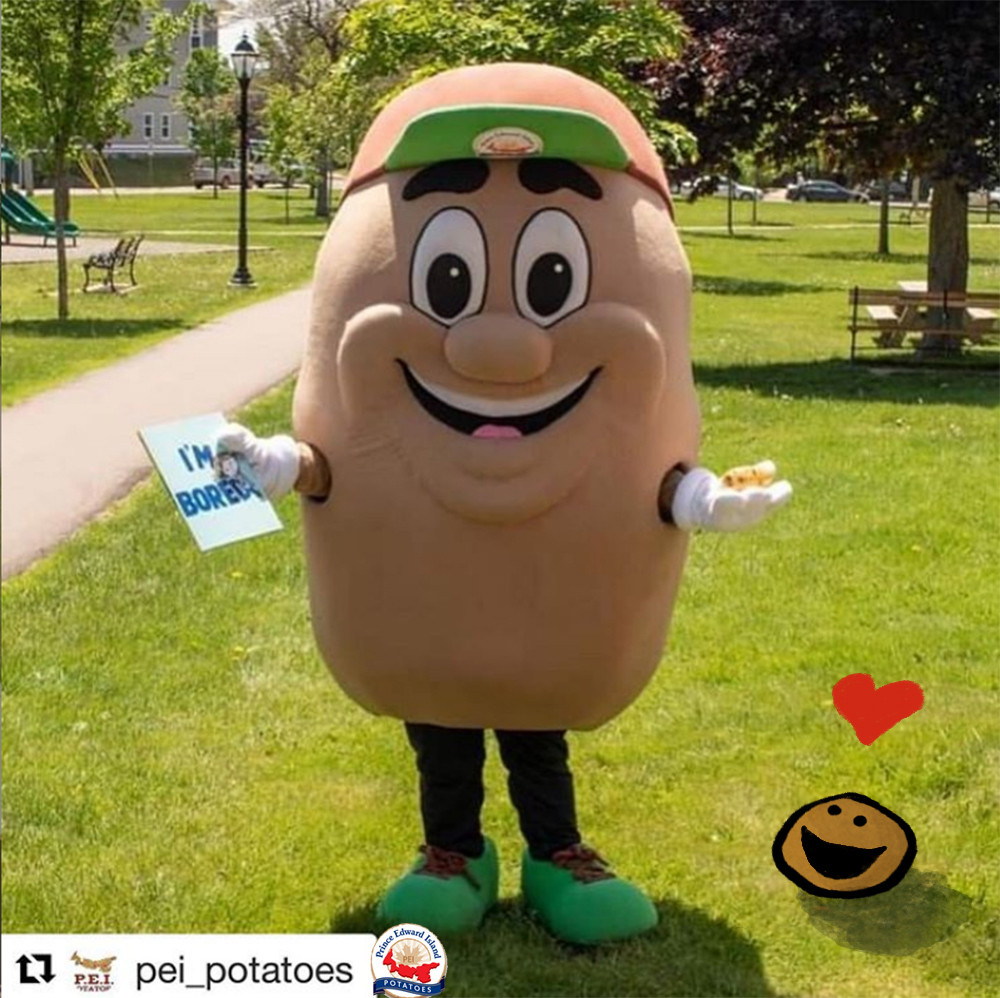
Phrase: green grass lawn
(176, 292)
(177, 759)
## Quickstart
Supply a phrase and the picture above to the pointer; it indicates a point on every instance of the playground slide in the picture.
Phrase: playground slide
(32, 210)
(16, 218)
(22, 214)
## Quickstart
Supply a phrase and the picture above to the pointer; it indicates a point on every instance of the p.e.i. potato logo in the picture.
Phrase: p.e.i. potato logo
(408, 960)
(93, 976)
(507, 142)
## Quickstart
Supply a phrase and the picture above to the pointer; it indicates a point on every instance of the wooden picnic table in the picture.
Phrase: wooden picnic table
(911, 315)
(912, 311)
(975, 320)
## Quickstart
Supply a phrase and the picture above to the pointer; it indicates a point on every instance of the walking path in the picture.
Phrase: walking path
(69, 452)
(26, 251)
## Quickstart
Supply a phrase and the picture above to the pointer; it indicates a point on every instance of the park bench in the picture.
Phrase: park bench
(116, 260)
(911, 312)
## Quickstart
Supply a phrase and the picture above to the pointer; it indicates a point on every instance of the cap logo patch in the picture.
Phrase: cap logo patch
(507, 141)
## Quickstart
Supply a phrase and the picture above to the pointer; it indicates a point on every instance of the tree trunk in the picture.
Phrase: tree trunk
(323, 186)
(756, 183)
(60, 197)
(883, 218)
(947, 260)
(729, 204)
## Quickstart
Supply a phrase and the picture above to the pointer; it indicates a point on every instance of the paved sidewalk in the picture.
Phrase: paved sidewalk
(69, 452)
(24, 250)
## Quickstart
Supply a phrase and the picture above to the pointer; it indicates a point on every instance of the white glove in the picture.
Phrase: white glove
(702, 500)
(274, 460)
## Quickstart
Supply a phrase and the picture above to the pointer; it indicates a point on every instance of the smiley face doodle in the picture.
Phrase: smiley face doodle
(845, 846)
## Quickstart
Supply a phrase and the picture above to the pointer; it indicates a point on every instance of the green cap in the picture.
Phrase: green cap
(506, 131)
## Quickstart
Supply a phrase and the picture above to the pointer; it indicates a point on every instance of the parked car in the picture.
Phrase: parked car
(228, 176)
(823, 190)
(741, 192)
(993, 198)
(264, 173)
(718, 187)
(898, 191)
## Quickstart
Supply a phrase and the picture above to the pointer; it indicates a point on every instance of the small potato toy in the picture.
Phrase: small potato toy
(747, 476)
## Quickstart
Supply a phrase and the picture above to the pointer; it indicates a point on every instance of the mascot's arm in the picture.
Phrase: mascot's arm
(280, 463)
(742, 497)
(314, 472)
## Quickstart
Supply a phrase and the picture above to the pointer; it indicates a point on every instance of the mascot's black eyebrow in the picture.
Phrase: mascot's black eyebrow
(456, 176)
(543, 176)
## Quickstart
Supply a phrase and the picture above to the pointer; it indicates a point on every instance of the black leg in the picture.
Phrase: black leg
(541, 788)
(450, 761)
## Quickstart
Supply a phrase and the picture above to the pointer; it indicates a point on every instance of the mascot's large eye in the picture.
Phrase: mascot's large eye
(551, 268)
(448, 272)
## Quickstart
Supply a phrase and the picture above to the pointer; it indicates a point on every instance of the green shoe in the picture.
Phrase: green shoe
(445, 892)
(579, 899)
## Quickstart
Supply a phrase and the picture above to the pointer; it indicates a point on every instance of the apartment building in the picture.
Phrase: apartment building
(157, 126)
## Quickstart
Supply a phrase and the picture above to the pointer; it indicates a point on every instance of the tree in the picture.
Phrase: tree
(393, 43)
(335, 111)
(279, 123)
(879, 84)
(207, 97)
(300, 42)
(66, 84)
(291, 31)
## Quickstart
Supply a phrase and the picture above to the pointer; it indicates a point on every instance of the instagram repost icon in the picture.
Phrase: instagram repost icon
(408, 960)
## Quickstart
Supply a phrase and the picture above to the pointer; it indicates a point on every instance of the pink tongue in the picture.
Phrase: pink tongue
(488, 431)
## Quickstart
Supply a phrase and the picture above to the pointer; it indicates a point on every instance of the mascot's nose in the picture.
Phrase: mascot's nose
(500, 348)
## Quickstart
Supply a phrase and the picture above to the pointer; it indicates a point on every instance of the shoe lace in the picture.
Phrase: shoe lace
(444, 864)
(583, 862)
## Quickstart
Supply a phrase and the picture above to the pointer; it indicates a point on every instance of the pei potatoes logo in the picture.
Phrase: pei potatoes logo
(507, 142)
(408, 960)
(93, 975)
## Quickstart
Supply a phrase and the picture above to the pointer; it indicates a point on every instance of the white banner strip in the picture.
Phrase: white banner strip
(228, 966)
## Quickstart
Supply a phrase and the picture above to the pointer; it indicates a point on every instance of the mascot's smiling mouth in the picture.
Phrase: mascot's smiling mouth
(837, 862)
(493, 419)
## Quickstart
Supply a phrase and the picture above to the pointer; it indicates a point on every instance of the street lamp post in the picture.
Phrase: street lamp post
(244, 58)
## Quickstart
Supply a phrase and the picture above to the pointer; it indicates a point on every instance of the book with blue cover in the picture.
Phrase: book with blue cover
(217, 495)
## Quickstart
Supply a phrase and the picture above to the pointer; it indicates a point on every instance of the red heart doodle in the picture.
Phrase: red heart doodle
(872, 712)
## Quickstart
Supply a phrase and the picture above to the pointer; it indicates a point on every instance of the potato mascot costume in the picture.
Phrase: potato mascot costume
(497, 428)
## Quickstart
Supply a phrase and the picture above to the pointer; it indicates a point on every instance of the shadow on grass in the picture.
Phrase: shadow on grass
(277, 225)
(862, 382)
(88, 328)
(921, 911)
(864, 256)
(693, 232)
(688, 954)
(736, 286)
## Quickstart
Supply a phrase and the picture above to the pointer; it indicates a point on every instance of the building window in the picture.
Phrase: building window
(147, 125)
(196, 33)
(164, 126)
(168, 78)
